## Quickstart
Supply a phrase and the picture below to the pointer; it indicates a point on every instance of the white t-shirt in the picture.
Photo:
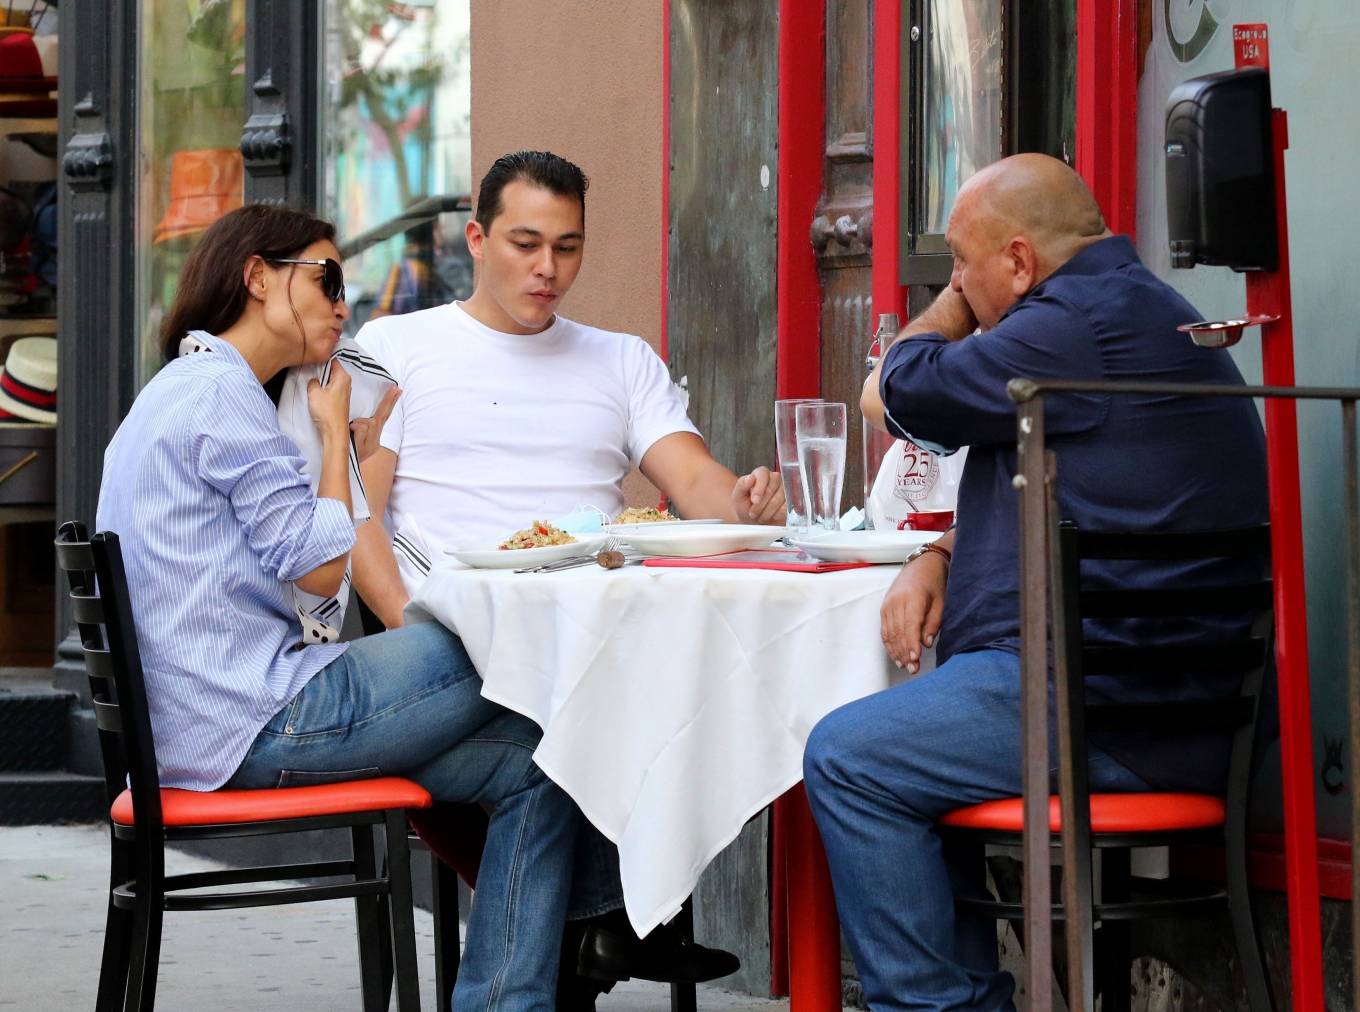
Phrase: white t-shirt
(493, 430)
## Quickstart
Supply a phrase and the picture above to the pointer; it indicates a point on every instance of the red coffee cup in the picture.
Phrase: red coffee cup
(927, 520)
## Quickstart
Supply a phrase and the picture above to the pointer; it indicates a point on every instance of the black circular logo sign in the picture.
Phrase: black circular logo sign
(1189, 27)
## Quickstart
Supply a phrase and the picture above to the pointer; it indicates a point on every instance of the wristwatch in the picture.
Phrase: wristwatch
(939, 550)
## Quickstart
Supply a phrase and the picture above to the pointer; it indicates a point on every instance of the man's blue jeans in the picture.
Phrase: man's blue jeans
(408, 702)
(879, 771)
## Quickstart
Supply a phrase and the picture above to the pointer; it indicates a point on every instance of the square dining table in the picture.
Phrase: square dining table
(675, 704)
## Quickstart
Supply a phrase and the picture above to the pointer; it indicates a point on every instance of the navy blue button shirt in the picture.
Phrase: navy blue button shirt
(1142, 463)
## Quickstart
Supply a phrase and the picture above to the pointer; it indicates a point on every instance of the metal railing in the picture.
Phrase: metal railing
(1035, 481)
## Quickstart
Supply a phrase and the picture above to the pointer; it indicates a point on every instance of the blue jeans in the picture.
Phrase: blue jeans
(879, 771)
(408, 702)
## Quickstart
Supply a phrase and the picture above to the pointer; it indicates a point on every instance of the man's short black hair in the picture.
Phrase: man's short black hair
(541, 168)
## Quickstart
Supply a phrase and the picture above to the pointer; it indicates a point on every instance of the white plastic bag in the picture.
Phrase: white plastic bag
(913, 480)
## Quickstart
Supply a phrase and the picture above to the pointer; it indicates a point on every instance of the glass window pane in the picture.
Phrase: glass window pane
(396, 127)
(192, 105)
(961, 128)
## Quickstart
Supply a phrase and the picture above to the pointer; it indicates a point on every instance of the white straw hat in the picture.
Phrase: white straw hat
(28, 380)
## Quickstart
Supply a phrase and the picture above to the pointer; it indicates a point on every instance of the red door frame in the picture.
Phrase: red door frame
(888, 293)
(802, 126)
(1107, 108)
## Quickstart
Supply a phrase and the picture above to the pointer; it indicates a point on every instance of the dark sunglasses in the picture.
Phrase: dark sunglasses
(332, 276)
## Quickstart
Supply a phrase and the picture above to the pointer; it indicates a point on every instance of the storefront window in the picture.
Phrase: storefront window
(28, 344)
(192, 106)
(962, 89)
(397, 150)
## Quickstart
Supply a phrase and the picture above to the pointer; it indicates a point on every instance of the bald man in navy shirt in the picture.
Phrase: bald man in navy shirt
(1040, 289)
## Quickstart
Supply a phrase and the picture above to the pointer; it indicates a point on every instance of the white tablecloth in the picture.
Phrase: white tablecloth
(675, 703)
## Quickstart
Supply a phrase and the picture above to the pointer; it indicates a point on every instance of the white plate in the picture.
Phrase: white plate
(622, 530)
(862, 546)
(678, 540)
(483, 557)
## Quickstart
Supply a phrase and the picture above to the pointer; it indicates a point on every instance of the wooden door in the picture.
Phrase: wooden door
(721, 239)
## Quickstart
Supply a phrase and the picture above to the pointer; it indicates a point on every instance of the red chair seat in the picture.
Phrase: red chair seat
(1110, 813)
(207, 808)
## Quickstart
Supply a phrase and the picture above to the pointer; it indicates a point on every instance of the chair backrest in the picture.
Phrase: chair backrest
(103, 614)
(1242, 600)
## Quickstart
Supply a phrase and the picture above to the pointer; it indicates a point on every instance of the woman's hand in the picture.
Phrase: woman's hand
(758, 497)
(910, 616)
(367, 431)
(329, 404)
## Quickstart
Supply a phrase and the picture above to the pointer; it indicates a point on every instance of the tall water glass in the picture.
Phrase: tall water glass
(821, 458)
(790, 471)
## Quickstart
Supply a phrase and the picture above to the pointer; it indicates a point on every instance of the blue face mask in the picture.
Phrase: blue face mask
(582, 520)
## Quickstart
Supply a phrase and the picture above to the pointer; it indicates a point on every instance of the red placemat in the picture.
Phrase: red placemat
(789, 560)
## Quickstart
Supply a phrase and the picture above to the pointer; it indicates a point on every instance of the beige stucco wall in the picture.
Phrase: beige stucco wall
(583, 78)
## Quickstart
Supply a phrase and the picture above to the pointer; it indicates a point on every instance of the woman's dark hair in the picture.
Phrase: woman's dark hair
(210, 295)
(541, 168)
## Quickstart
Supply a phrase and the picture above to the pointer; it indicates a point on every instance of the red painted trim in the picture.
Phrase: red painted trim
(798, 369)
(1266, 869)
(814, 930)
(665, 177)
(802, 120)
(1269, 293)
(888, 294)
(1107, 108)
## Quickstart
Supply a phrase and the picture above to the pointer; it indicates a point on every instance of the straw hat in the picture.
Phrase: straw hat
(204, 185)
(28, 381)
(24, 90)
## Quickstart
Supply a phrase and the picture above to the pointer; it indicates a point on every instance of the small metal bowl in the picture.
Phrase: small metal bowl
(1222, 333)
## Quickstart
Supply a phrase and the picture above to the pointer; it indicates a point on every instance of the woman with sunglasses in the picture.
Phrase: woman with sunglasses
(215, 516)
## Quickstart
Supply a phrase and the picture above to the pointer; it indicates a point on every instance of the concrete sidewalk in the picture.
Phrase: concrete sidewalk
(54, 880)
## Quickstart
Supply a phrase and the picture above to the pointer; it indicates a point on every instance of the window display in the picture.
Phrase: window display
(28, 347)
(192, 103)
(963, 101)
(396, 123)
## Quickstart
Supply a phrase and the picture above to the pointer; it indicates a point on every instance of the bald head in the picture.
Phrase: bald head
(1014, 223)
(1038, 197)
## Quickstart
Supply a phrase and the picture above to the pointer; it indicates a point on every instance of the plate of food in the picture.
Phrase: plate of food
(536, 545)
(861, 546)
(636, 518)
(680, 540)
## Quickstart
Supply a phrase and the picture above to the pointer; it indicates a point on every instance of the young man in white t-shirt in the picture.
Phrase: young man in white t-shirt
(510, 413)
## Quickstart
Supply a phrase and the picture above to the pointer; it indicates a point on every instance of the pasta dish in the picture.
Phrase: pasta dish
(539, 534)
(643, 515)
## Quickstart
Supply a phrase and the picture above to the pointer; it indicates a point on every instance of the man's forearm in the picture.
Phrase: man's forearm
(949, 316)
(708, 496)
(375, 574)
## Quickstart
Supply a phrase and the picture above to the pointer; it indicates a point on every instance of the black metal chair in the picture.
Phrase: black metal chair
(144, 817)
(1115, 823)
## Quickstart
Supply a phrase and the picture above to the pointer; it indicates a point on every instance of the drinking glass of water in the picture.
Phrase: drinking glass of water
(790, 471)
(821, 458)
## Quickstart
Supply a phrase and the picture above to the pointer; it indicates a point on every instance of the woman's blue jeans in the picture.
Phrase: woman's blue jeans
(879, 772)
(408, 703)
